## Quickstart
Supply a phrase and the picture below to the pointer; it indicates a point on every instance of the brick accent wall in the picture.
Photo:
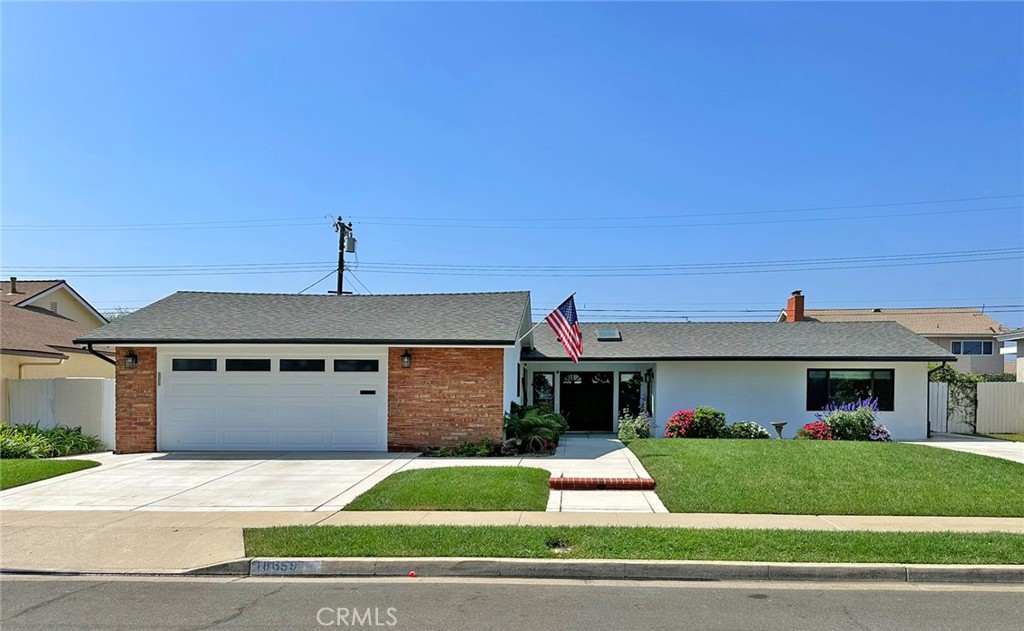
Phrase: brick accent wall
(135, 402)
(448, 396)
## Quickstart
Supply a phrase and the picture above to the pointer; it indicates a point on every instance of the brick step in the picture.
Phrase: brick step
(601, 484)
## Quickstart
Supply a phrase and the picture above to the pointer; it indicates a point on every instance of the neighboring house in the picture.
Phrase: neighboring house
(39, 321)
(224, 371)
(1015, 336)
(963, 331)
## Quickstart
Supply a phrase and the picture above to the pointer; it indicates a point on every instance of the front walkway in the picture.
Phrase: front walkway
(1005, 449)
(308, 482)
(580, 455)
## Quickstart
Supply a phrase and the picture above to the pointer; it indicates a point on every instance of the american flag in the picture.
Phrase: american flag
(566, 325)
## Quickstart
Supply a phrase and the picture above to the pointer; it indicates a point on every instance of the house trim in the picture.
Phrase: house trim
(12, 351)
(74, 294)
(778, 358)
(304, 341)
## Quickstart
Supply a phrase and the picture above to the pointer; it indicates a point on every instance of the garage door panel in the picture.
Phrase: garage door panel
(273, 411)
(357, 441)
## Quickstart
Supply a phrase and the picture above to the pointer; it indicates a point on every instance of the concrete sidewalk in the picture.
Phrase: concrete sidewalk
(99, 541)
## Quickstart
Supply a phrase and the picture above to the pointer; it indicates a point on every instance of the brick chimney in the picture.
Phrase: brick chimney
(795, 307)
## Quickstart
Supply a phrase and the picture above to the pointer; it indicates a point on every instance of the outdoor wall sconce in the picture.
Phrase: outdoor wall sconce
(131, 360)
(406, 359)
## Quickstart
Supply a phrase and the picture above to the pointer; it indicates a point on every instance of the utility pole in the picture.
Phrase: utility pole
(346, 242)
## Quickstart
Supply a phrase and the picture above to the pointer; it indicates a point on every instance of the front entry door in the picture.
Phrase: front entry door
(587, 400)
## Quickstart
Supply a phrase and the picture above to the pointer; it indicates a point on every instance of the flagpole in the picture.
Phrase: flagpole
(542, 319)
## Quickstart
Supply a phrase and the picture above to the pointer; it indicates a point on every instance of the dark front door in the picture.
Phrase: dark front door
(586, 400)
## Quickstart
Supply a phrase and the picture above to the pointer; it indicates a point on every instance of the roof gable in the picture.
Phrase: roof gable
(201, 317)
(36, 293)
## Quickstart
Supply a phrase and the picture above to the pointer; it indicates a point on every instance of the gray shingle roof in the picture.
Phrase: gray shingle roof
(746, 340)
(483, 318)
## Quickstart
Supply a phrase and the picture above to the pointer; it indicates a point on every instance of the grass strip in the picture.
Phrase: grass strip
(593, 542)
(459, 489)
(16, 472)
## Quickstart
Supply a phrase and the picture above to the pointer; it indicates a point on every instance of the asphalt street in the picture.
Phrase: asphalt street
(523, 605)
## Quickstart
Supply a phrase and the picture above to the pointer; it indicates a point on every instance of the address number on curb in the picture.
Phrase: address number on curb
(276, 568)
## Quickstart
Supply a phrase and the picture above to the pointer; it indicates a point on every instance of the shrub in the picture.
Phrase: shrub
(29, 441)
(835, 406)
(818, 430)
(881, 434)
(632, 427)
(856, 425)
(748, 429)
(678, 424)
(707, 423)
(483, 449)
(538, 427)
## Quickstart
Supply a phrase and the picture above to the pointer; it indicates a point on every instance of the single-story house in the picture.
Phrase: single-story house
(967, 332)
(39, 321)
(235, 371)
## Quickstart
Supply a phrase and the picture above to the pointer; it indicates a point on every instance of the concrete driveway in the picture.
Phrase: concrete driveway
(323, 482)
(1005, 449)
(210, 482)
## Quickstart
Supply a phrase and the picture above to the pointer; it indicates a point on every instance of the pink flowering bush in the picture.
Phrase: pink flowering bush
(818, 430)
(679, 424)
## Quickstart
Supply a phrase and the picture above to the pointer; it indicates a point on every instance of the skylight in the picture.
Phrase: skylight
(609, 335)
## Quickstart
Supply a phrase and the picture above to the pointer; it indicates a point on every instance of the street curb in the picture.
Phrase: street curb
(595, 569)
(625, 569)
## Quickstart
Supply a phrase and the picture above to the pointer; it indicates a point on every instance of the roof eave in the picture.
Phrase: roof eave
(28, 353)
(816, 358)
(344, 341)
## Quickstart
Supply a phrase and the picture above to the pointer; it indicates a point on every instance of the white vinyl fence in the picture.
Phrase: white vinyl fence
(73, 401)
(940, 417)
(1001, 408)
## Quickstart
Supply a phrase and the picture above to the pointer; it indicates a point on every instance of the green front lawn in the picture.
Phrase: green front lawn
(592, 542)
(1017, 438)
(22, 471)
(459, 488)
(810, 477)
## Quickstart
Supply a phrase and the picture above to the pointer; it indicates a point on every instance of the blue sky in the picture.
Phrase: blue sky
(504, 136)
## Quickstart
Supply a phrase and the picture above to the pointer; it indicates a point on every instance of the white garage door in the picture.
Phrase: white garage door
(272, 403)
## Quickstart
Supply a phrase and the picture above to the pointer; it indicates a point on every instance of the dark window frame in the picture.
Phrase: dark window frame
(175, 364)
(883, 406)
(533, 386)
(366, 365)
(632, 374)
(308, 362)
(248, 364)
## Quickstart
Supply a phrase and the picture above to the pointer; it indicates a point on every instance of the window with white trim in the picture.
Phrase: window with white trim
(971, 347)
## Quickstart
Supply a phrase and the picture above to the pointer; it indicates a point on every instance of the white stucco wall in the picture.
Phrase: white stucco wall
(512, 375)
(777, 391)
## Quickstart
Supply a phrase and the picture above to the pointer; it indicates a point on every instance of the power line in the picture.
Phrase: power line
(356, 278)
(620, 226)
(527, 268)
(679, 269)
(221, 223)
(438, 222)
(548, 218)
(325, 277)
